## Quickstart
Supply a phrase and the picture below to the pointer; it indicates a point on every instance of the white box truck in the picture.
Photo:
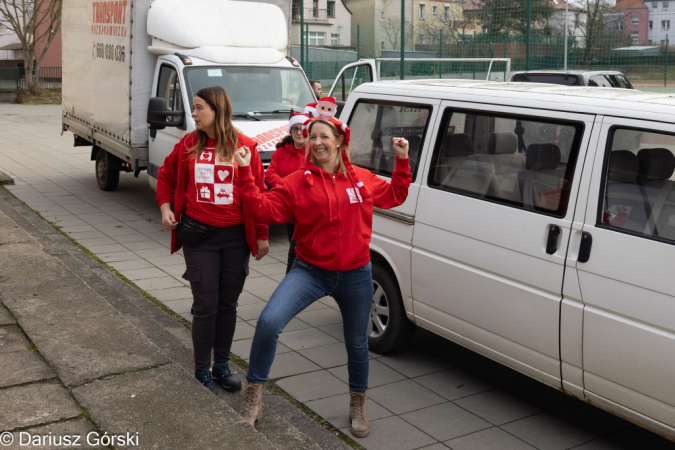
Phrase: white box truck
(131, 69)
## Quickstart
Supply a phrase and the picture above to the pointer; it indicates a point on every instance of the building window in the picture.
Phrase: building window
(655, 5)
(434, 10)
(665, 25)
(422, 11)
(421, 40)
(665, 6)
(334, 39)
(651, 24)
(330, 8)
(315, 8)
(446, 13)
(634, 36)
(382, 15)
(634, 20)
(619, 26)
(295, 9)
(317, 38)
(382, 45)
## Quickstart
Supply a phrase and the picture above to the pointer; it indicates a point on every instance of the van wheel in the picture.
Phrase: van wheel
(389, 329)
(107, 178)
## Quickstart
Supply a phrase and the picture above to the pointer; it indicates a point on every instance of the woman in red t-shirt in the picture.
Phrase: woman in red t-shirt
(288, 157)
(197, 180)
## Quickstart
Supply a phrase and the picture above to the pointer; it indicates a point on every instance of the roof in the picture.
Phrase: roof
(622, 5)
(15, 46)
(590, 100)
(560, 5)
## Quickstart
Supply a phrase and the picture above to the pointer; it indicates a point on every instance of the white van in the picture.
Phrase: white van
(539, 231)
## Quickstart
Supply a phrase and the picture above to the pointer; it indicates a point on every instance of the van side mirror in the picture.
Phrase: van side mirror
(157, 115)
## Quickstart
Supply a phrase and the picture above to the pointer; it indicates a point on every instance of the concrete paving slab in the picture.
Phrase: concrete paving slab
(322, 316)
(242, 348)
(547, 432)
(36, 404)
(378, 373)
(151, 284)
(142, 274)
(251, 311)
(497, 406)
(545, 397)
(181, 306)
(243, 330)
(306, 338)
(454, 383)
(414, 364)
(133, 264)
(12, 339)
(313, 386)
(5, 317)
(174, 293)
(117, 256)
(136, 402)
(327, 356)
(53, 436)
(597, 445)
(404, 396)
(494, 373)
(456, 421)
(393, 433)
(591, 419)
(291, 363)
(23, 367)
(490, 439)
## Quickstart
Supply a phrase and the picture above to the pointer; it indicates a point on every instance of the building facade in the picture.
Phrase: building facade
(326, 22)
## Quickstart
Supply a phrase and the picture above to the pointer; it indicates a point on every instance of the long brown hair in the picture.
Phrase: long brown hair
(343, 150)
(226, 134)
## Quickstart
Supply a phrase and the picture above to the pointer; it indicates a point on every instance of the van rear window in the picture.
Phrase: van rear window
(564, 79)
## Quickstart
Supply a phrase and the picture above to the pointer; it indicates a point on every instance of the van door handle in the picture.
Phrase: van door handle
(585, 247)
(552, 241)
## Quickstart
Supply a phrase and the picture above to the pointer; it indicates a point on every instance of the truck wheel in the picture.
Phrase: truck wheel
(106, 178)
(389, 329)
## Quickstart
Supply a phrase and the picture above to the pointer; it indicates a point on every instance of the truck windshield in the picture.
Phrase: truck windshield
(255, 91)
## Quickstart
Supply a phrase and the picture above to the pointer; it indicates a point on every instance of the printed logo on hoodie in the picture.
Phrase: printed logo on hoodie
(213, 180)
(354, 195)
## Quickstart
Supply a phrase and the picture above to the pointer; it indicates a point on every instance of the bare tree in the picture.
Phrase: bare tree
(391, 28)
(453, 25)
(36, 23)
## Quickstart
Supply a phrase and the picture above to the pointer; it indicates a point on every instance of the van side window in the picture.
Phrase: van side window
(373, 125)
(519, 161)
(639, 191)
(169, 89)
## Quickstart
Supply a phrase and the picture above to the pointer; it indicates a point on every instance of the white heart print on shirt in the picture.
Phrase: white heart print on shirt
(223, 174)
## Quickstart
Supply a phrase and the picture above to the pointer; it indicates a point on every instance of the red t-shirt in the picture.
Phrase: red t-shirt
(211, 196)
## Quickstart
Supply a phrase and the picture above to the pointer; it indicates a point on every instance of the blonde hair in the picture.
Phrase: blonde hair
(342, 151)
(226, 135)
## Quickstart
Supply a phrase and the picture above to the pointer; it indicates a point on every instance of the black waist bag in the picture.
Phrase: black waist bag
(192, 232)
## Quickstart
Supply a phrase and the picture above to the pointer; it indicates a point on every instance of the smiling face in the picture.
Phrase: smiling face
(204, 116)
(323, 145)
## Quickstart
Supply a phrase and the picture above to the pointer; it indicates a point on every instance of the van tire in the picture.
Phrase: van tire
(389, 329)
(106, 177)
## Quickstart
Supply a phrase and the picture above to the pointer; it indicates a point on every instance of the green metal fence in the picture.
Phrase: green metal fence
(14, 78)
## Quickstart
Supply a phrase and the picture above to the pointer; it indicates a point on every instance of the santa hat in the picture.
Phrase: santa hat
(297, 119)
(310, 109)
(344, 130)
(328, 102)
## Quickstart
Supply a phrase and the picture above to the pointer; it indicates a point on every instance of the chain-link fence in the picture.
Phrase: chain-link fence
(628, 36)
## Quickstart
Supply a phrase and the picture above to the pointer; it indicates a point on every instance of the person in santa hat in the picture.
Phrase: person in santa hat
(310, 110)
(331, 202)
(286, 159)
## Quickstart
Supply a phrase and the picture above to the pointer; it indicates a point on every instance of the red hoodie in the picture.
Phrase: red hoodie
(333, 214)
(173, 179)
(285, 161)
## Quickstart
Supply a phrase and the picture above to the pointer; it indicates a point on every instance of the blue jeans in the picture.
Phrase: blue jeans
(302, 286)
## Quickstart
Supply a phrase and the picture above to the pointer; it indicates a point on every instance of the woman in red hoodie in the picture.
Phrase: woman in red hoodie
(286, 159)
(331, 203)
(216, 232)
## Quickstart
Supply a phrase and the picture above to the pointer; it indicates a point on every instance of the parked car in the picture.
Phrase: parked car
(601, 78)
(539, 231)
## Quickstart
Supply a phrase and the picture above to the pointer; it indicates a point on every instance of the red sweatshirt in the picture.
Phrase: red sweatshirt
(333, 217)
(285, 161)
(174, 176)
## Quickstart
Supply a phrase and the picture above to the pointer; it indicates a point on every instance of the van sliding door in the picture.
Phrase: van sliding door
(492, 227)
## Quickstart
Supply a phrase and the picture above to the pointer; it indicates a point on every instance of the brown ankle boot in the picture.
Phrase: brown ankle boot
(252, 409)
(357, 414)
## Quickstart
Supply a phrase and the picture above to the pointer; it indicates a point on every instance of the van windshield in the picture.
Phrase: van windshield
(258, 91)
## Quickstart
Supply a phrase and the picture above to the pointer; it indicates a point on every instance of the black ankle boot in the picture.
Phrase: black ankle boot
(222, 374)
(204, 377)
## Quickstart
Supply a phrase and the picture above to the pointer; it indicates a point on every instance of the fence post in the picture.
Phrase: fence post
(302, 33)
(402, 38)
(505, 43)
(440, 52)
(307, 50)
(527, 35)
(358, 42)
(665, 70)
(473, 54)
